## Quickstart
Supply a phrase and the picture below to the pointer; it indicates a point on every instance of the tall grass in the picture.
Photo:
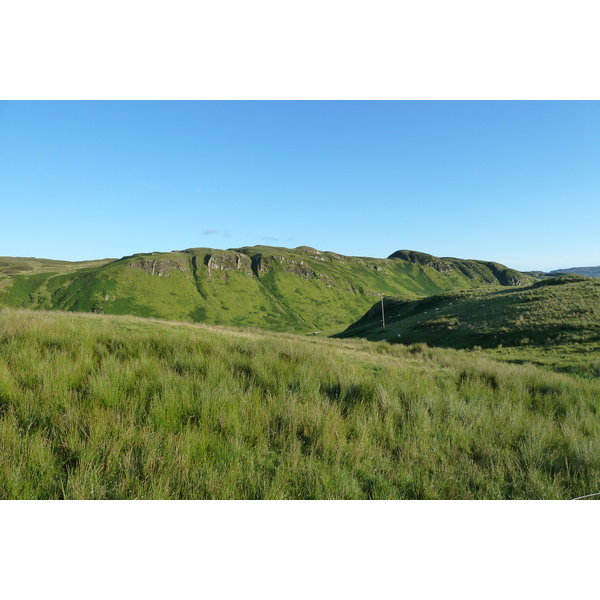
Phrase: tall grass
(117, 407)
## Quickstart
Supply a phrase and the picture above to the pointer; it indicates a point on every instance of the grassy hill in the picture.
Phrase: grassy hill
(10, 266)
(551, 312)
(301, 290)
(96, 406)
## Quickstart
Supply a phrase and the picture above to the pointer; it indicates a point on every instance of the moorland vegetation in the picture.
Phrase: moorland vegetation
(484, 382)
(301, 290)
(105, 407)
(551, 312)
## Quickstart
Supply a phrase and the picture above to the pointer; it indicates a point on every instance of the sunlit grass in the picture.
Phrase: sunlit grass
(118, 407)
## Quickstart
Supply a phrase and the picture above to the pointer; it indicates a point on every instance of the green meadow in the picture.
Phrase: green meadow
(118, 407)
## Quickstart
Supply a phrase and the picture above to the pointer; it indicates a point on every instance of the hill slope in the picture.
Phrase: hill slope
(559, 310)
(32, 266)
(93, 406)
(585, 271)
(300, 290)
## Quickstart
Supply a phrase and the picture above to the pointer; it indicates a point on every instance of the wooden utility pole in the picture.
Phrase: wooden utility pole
(382, 312)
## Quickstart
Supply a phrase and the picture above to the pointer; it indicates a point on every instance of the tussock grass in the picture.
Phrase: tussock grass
(116, 407)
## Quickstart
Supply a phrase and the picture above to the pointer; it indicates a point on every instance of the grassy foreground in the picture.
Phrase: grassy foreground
(93, 406)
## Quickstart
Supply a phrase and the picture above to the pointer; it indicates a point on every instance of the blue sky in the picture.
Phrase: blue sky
(514, 182)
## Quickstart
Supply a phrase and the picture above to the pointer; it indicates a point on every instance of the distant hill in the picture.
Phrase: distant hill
(585, 271)
(564, 309)
(31, 266)
(485, 271)
(301, 290)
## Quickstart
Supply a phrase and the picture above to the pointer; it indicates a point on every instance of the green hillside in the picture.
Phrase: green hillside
(105, 407)
(551, 312)
(10, 266)
(301, 290)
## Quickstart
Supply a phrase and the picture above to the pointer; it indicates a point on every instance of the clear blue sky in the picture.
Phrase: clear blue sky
(514, 182)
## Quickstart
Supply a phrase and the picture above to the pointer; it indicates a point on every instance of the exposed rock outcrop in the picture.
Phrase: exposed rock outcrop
(159, 267)
(228, 262)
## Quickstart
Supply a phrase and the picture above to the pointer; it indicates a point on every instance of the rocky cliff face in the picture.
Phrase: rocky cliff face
(228, 262)
(159, 267)
(297, 267)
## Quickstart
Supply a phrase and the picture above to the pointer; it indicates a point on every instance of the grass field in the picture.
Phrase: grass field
(95, 406)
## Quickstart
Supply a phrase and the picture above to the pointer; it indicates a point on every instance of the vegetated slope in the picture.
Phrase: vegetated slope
(560, 310)
(10, 266)
(300, 290)
(484, 271)
(103, 407)
(585, 271)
